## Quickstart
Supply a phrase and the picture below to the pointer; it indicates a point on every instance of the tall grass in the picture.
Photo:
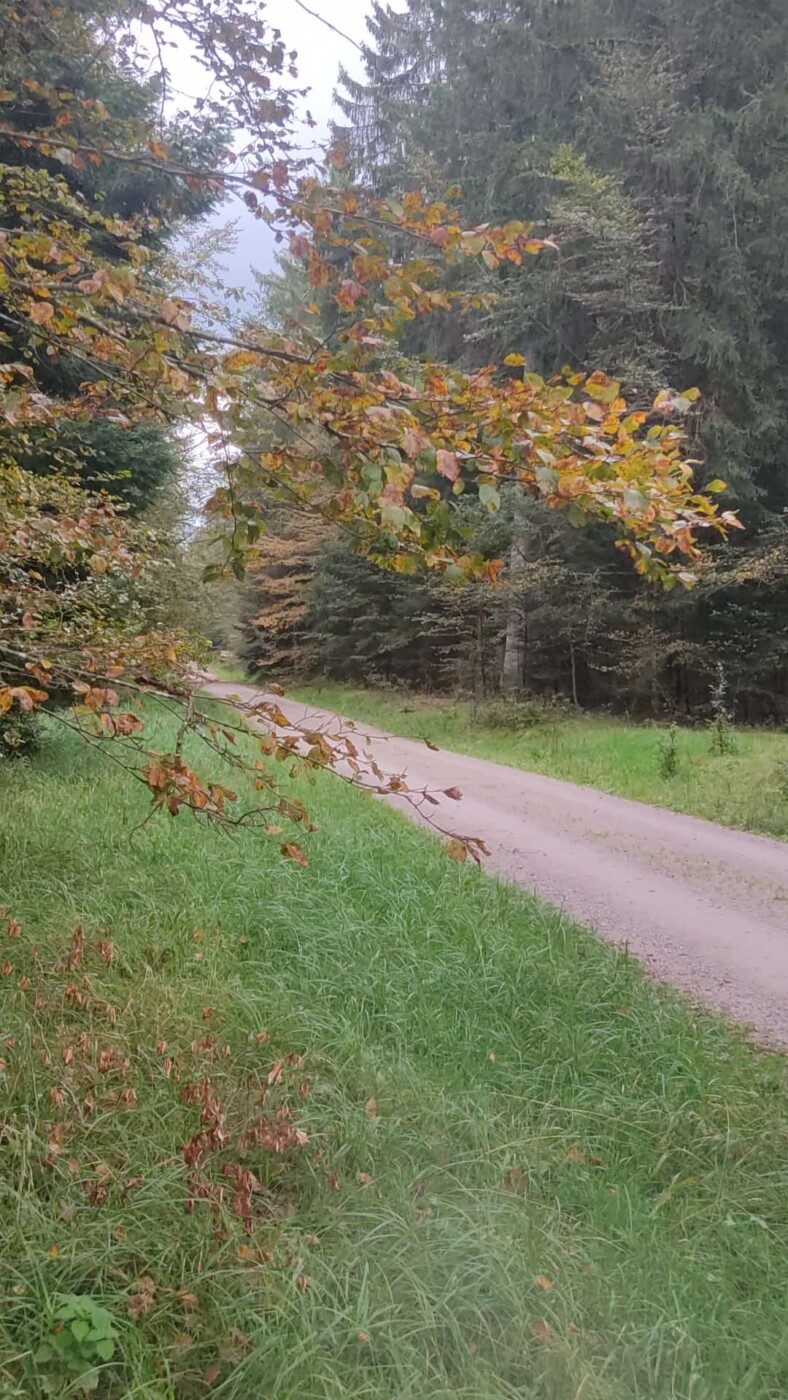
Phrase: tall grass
(743, 787)
(531, 1173)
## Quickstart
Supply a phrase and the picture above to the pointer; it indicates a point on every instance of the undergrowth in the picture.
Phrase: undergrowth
(529, 1172)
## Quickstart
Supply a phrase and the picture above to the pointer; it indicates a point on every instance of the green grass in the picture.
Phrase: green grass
(541, 1112)
(747, 788)
(229, 671)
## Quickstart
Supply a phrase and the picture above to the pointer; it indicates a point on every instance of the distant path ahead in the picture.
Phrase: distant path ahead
(702, 906)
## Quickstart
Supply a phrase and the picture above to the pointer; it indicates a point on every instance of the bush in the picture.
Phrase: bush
(723, 737)
(517, 715)
(669, 752)
(20, 734)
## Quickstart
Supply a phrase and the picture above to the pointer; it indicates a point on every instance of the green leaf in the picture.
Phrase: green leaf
(603, 393)
(489, 497)
(80, 1328)
(474, 243)
(212, 572)
(104, 1348)
(716, 485)
(546, 479)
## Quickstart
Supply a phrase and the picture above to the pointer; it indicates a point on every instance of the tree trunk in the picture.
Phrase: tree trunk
(573, 663)
(480, 679)
(513, 668)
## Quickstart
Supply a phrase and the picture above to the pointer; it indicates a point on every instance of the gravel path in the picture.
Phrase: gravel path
(702, 906)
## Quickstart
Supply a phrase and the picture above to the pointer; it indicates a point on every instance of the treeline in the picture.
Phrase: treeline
(652, 143)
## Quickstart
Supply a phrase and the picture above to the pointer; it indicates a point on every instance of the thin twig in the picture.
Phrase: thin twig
(340, 32)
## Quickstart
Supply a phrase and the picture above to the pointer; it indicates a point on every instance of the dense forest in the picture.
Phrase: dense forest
(651, 143)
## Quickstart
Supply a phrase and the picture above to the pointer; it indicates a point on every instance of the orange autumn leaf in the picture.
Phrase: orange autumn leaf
(294, 852)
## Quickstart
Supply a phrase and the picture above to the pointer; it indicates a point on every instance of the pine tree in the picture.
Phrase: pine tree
(652, 144)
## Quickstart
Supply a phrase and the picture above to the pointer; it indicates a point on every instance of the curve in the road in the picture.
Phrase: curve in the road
(703, 907)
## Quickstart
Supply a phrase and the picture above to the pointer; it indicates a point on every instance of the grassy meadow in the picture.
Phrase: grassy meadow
(746, 787)
(529, 1171)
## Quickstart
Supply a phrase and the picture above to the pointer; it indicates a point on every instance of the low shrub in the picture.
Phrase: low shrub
(517, 714)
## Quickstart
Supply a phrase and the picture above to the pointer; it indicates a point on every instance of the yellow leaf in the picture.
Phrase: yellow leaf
(240, 359)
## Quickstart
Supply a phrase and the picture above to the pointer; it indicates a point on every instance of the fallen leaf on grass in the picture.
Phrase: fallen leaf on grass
(542, 1331)
(543, 1282)
(141, 1301)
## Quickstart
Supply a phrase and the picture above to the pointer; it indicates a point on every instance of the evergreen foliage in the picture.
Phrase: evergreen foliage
(132, 463)
(653, 145)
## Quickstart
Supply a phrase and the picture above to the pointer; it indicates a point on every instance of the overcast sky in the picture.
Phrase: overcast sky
(320, 54)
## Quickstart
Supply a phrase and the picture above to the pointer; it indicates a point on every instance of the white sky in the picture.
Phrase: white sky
(320, 53)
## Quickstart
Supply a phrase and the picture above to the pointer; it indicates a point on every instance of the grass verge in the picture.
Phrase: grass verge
(530, 1173)
(746, 788)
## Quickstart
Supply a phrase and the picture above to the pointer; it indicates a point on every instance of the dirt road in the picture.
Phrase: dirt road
(702, 906)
